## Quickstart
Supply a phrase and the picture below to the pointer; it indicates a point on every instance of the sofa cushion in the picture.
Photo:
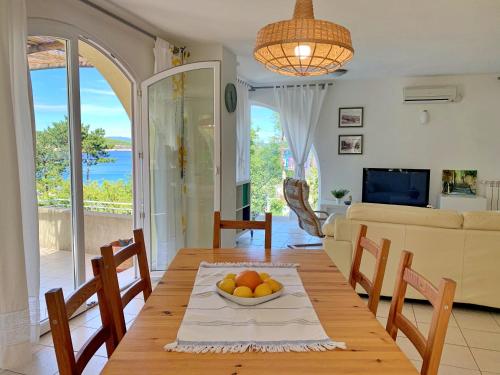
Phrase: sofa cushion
(482, 220)
(394, 214)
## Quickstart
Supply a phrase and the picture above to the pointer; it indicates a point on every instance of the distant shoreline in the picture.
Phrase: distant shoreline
(119, 149)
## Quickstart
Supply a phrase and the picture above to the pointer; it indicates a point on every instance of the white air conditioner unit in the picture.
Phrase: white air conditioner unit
(430, 94)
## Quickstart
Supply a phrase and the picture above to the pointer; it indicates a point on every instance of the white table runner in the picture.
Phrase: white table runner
(214, 324)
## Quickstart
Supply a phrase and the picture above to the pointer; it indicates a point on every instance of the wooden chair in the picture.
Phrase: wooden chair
(111, 262)
(60, 311)
(244, 224)
(381, 253)
(441, 299)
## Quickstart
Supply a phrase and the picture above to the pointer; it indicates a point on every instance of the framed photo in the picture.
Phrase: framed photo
(351, 117)
(350, 144)
(459, 181)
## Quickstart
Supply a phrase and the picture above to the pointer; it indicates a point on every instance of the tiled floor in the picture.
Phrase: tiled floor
(285, 232)
(472, 344)
(56, 271)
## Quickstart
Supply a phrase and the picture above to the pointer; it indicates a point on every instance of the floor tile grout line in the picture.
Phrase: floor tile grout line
(444, 364)
(467, 342)
(482, 330)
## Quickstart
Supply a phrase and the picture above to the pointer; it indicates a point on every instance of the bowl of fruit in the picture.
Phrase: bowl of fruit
(249, 288)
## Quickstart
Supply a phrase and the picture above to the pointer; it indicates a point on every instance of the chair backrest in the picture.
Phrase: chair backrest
(441, 298)
(60, 311)
(381, 253)
(143, 284)
(296, 194)
(265, 225)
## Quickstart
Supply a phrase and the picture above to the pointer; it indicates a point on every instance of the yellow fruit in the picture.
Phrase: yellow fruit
(263, 290)
(227, 285)
(274, 285)
(231, 276)
(243, 291)
(264, 276)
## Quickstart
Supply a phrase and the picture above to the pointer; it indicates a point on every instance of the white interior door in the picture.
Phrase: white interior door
(181, 158)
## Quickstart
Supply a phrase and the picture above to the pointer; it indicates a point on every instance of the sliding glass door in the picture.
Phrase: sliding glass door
(82, 106)
(181, 115)
(49, 70)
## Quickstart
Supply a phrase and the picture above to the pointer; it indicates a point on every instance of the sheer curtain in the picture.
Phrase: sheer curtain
(299, 108)
(166, 184)
(19, 253)
(242, 132)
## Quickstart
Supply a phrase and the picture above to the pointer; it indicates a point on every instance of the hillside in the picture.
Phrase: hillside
(118, 143)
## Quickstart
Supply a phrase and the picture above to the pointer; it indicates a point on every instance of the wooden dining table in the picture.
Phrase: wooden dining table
(343, 314)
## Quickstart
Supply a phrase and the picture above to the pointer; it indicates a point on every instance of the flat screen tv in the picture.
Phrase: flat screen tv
(408, 187)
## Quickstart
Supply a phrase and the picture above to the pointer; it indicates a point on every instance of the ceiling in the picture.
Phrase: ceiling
(390, 37)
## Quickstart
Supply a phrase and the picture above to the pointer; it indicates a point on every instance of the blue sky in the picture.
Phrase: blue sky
(263, 119)
(100, 106)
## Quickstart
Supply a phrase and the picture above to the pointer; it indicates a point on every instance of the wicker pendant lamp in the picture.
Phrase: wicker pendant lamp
(303, 46)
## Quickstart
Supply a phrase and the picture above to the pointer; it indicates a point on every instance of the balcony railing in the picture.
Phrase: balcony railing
(123, 208)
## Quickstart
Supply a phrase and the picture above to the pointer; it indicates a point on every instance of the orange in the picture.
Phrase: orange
(248, 278)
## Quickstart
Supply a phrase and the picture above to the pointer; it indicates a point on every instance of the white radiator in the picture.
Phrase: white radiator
(491, 190)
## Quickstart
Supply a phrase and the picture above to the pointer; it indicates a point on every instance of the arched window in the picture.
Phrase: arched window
(83, 156)
(271, 161)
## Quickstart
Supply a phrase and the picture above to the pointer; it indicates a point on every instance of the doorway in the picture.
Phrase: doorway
(181, 126)
(83, 151)
(271, 162)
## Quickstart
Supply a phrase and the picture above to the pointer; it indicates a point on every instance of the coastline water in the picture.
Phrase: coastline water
(119, 169)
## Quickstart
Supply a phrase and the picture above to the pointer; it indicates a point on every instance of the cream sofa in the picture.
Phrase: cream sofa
(463, 247)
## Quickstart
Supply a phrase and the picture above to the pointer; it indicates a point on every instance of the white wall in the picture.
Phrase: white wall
(463, 135)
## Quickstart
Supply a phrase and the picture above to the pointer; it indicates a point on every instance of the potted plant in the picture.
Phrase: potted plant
(339, 194)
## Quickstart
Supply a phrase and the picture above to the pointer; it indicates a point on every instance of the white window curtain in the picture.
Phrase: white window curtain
(163, 56)
(299, 108)
(242, 132)
(166, 202)
(19, 254)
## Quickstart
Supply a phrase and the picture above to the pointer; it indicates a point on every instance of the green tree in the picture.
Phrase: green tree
(52, 151)
(109, 191)
(313, 182)
(53, 166)
(94, 148)
(52, 155)
(266, 172)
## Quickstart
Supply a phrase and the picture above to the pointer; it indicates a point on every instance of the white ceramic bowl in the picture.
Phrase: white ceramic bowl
(249, 301)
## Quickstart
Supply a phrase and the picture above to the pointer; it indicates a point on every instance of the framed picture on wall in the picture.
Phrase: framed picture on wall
(351, 117)
(350, 144)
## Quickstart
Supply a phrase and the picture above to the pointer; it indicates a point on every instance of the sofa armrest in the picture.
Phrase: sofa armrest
(337, 226)
(328, 227)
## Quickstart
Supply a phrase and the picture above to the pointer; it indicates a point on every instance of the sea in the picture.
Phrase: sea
(119, 169)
